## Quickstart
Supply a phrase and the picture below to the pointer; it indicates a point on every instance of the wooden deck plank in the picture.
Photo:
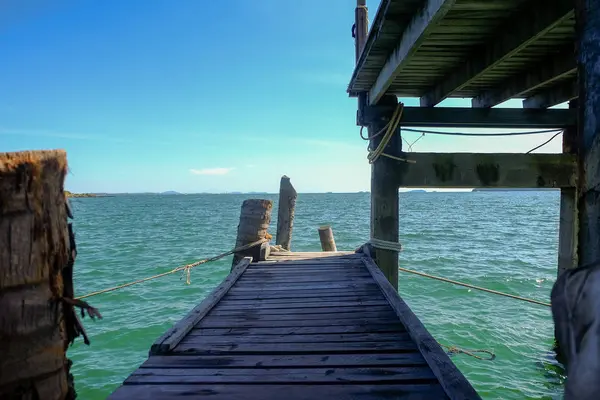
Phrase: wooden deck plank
(287, 392)
(329, 314)
(300, 330)
(322, 338)
(221, 322)
(299, 312)
(306, 304)
(292, 294)
(308, 299)
(286, 361)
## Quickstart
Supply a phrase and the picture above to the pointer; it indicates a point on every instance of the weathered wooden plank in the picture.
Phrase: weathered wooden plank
(286, 212)
(299, 312)
(450, 378)
(553, 96)
(277, 375)
(321, 338)
(471, 170)
(290, 275)
(277, 361)
(290, 315)
(299, 294)
(316, 278)
(188, 346)
(309, 299)
(288, 392)
(301, 330)
(313, 254)
(550, 70)
(417, 30)
(305, 304)
(233, 323)
(528, 26)
(304, 287)
(172, 337)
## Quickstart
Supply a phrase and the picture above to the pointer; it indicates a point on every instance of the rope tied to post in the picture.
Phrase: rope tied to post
(385, 245)
(185, 268)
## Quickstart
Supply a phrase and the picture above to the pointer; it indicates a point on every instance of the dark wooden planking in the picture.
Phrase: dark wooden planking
(305, 299)
(299, 294)
(321, 338)
(306, 304)
(417, 30)
(287, 392)
(174, 335)
(550, 70)
(317, 325)
(330, 313)
(303, 286)
(188, 345)
(300, 329)
(317, 277)
(206, 376)
(286, 361)
(448, 375)
(468, 170)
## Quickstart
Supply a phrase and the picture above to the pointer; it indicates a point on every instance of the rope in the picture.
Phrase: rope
(545, 143)
(186, 268)
(385, 245)
(541, 303)
(481, 134)
(458, 350)
(390, 128)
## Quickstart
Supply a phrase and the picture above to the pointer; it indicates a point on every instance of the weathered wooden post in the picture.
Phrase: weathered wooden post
(285, 214)
(255, 217)
(326, 237)
(34, 249)
(569, 225)
(385, 174)
(587, 17)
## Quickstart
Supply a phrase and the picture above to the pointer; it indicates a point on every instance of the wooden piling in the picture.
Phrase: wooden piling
(255, 217)
(384, 194)
(285, 214)
(326, 237)
(587, 17)
(34, 249)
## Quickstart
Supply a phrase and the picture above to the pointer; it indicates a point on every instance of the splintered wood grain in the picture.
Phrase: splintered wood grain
(300, 329)
(288, 392)
(27, 310)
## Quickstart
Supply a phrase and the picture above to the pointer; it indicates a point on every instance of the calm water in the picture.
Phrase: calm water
(504, 241)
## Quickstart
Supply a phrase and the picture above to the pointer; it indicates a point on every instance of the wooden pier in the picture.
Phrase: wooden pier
(299, 326)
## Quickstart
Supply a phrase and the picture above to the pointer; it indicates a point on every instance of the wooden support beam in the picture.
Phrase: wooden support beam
(286, 213)
(552, 96)
(508, 118)
(588, 30)
(415, 33)
(473, 170)
(569, 226)
(326, 238)
(385, 213)
(521, 31)
(361, 27)
(550, 70)
(255, 217)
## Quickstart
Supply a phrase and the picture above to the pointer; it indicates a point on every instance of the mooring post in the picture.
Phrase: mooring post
(34, 250)
(285, 214)
(384, 192)
(255, 217)
(587, 17)
(326, 237)
(569, 224)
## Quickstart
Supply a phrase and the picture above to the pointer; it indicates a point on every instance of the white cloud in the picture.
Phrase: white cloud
(211, 171)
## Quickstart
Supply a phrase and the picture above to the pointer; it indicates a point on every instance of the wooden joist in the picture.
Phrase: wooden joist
(464, 117)
(525, 28)
(548, 71)
(473, 170)
(561, 93)
(414, 34)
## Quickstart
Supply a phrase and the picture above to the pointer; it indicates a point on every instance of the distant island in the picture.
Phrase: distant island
(170, 192)
(70, 194)
(515, 189)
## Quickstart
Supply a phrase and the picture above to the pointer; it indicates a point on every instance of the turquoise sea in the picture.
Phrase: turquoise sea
(501, 240)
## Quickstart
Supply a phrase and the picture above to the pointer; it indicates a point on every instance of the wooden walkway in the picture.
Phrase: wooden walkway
(299, 326)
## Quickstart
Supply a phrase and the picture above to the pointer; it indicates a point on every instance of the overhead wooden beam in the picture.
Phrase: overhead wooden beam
(554, 95)
(414, 34)
(480, 117)
(521, 31)
(550, 70)
(474, 170)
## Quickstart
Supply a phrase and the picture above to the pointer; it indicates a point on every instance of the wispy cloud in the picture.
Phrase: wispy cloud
(211, 171)
(75, 136)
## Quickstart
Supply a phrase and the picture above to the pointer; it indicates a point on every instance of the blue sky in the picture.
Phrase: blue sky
(194, 96)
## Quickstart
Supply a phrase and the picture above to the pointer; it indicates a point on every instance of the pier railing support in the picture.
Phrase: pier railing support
(285, 214)
(326, 238)
(384, 195)
(34, 251)
(255, 217)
